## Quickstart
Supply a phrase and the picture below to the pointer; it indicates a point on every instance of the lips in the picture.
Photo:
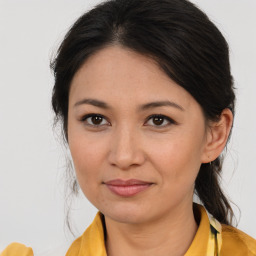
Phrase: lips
(127, 188)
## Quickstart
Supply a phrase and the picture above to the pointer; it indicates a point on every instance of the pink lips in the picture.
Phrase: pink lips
(127, 187)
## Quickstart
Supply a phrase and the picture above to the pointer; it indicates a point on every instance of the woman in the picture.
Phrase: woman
(145, 96)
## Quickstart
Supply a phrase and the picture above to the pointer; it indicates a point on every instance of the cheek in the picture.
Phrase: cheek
(88, 156)
(177, 158)
(178, 169)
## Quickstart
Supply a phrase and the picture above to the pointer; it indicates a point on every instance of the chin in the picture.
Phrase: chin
(126, 214)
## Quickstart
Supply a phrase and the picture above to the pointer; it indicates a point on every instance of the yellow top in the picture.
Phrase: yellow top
(211, 239)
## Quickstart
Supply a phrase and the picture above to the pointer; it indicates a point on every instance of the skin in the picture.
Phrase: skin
(128, 144)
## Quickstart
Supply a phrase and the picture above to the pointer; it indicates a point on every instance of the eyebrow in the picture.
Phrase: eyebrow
(160, 104)
(96, 103)
(104, 105)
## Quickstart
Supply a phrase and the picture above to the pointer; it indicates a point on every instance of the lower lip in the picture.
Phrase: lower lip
(128, 190)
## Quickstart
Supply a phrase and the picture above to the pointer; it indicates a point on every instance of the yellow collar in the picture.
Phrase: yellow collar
(207, 240)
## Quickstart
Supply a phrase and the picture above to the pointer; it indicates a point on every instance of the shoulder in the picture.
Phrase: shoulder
(92, 241)
(236, 242)
(16, 249)
(75, 247)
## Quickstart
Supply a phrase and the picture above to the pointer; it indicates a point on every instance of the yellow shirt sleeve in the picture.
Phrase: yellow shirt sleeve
(237, 243)
(16, 249)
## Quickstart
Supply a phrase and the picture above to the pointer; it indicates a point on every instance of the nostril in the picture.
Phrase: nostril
(125, 150)
(125, 159)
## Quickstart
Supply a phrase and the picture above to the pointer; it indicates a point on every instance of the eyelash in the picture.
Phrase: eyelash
(165, 118)
(84, 119)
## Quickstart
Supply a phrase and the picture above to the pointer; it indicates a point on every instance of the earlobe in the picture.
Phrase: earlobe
(217, 136)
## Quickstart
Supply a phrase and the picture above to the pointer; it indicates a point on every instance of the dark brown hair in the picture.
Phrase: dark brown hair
(186, 45)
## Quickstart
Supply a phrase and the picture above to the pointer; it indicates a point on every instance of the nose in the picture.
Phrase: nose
(126, 149)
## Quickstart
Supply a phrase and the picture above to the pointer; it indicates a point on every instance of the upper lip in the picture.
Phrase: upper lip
(119, 182)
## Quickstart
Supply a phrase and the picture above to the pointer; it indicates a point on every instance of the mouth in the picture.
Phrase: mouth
(127, 188)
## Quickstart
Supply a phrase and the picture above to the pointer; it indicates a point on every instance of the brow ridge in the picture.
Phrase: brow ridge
(150, 105)
(160, 104)
(94, 102)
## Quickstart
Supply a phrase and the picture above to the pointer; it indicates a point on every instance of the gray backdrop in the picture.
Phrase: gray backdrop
(31, 159)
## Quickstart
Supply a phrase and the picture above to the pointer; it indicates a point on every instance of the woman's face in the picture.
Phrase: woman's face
(137, 139)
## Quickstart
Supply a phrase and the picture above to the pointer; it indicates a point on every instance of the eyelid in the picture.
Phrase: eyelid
(170, 120)
(83, 119)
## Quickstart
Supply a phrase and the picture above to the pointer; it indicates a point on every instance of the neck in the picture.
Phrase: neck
(170, 235)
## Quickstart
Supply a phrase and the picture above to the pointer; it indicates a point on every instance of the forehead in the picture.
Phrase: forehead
(117, 73)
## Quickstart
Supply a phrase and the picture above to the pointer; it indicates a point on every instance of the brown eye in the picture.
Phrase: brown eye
(159, 121)
(94, 120)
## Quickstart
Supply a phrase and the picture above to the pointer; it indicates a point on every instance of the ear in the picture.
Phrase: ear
(217, 136)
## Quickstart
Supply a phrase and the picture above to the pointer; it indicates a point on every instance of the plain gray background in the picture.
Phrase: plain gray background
(31, 158)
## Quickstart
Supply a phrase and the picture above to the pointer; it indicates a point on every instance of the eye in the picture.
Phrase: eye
(159, 121)
(95, 120)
